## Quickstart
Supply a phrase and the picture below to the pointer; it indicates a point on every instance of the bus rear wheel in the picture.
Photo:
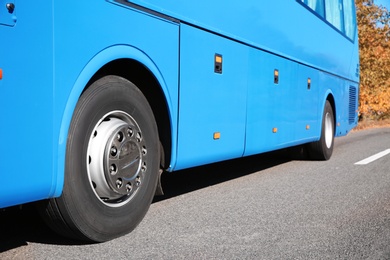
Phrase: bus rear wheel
(112, 163)
(323, 148)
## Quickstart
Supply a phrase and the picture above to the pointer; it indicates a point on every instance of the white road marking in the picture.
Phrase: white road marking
(373, 158)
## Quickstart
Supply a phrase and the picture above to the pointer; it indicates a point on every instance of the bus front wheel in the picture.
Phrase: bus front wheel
(323, 148)
(112, 163)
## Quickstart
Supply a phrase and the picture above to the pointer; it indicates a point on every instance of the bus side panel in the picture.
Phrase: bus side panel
(26, 105)
(287, 29)
(211, 102)
(280, 106)
(309, 118)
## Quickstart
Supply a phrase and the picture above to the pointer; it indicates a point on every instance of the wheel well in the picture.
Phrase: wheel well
(149, 86)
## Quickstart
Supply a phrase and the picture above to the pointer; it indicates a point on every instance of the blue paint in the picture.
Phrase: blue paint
(50, 51)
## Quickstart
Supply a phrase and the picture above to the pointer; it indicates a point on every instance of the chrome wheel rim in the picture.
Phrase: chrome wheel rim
(328, 130)
(116, 158)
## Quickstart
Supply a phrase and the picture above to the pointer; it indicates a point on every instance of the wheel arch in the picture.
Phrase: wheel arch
(134, 65)
(328, 96)
(136, 72)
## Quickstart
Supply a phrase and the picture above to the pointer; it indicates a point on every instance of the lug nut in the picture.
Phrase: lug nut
(119, 136)
(113, 151)
(113, 169)
(143, 168)
(128, 187)
(138, 181)
(118, 183)
(129, 132)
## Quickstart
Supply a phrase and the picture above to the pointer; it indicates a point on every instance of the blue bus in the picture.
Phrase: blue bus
(98, 98)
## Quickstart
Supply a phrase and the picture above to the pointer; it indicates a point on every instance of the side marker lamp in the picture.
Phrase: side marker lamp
(218, 63)
(276, 76)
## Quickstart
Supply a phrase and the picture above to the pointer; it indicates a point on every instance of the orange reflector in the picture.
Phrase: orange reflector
(307, 127)
(1, 74)
(274, 130)
(217, 135)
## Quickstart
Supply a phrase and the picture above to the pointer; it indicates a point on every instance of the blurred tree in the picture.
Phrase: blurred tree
(374, 41)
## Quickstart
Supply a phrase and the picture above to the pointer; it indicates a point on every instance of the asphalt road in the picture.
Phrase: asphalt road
(261, 207)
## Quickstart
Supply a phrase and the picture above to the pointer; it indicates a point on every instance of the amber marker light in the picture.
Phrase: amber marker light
(218, 59)
(217, 135)
(276, 76)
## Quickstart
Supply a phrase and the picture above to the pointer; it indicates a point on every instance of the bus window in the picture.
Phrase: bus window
(349, 18)
(334, 13)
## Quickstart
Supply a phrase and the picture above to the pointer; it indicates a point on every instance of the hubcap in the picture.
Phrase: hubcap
(116, 158)
(328, 130)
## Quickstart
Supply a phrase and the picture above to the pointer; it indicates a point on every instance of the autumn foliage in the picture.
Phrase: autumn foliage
(374, 42)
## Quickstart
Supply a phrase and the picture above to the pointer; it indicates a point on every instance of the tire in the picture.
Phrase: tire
(112, 164)
(323, 149)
